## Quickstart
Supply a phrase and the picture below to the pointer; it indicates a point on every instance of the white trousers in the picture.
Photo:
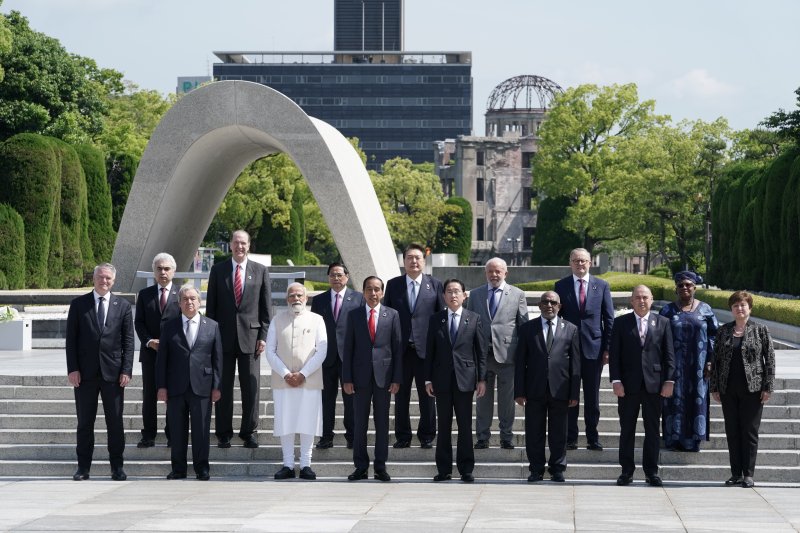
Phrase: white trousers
(287, 445)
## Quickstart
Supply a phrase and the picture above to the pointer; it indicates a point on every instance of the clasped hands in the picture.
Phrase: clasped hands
(666, 389)
(161, 395)
(480, 389)
(74, 379)
(349, 388)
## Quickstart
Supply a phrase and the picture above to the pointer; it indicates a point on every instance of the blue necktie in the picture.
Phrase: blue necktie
(492, 302)
(101, 314)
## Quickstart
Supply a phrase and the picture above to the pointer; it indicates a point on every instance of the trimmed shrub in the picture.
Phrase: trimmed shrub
(552, 243)
(12, 248)
(120, 169)
(73, 206)
(461, 221)
(99, 225)
(30, 173)
(55, 260)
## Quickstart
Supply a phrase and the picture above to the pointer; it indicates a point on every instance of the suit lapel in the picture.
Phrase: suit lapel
(227, 274)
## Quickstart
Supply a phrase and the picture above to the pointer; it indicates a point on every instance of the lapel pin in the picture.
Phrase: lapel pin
(466, 321)
(249, 277)
(349, 298)
(383, 314)
(444, 320)
(594, 287)
(653, 323)
(115, 302)
(427, 286)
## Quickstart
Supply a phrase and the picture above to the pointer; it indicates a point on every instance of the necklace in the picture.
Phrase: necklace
(690, 305)
(737, 332)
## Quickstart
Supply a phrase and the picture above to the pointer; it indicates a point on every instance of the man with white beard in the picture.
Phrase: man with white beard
(296, 347)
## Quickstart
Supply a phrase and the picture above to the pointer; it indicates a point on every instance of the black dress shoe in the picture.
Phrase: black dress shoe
(358, 473)
(382, 475)
(401, 443)
(506, 445)
(595, 446)
(467, 478)
(533, 478)
(426, 444)
(572, 445)
(176, 475)
(250, 442)
(169, 444)
(481, 444)
(285, 473)
(203, 475)
(442, 477)
(747, 482)
(558, 477)
(118, 474)
(80, 474)
(307, 473)
(624, 480)
(324, 444)
(223, 443)
(733, 481)
(146, 443)
(654, 481)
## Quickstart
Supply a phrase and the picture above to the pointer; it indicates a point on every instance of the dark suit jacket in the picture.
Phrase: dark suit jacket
(179, 368)
(758, 357)
(595, 323)
(93, 352)
(536, 370)
(148, 318)
(466, 358)
(501, 331)
(247, 324)
(321, 304)
(633, 364)
(429, 300)
(361, 359)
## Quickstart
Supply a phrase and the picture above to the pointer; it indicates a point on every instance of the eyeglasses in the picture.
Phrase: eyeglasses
(685, 285)
(549, 302)
(453, 292)
(336, 275)
(414, 257)
(579, 261)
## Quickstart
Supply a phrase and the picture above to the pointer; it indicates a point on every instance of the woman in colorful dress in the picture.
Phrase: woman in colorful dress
(685, 418)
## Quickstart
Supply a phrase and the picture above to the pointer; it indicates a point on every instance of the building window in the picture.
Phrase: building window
(526, 159)
(479, 157)
(480, 229)
(526, 198)
(479, 190)
(527, 238)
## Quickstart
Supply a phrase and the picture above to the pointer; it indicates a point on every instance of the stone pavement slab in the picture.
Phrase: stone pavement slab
(333, 506)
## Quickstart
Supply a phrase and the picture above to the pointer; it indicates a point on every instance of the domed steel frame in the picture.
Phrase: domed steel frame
(513, 92)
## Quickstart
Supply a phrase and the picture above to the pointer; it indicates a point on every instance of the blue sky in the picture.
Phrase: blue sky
(698, 59)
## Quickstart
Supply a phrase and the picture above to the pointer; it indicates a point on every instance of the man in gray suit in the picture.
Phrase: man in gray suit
(502, 309)
(188, 368)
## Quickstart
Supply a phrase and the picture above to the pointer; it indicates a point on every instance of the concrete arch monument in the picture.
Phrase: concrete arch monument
(201, 146)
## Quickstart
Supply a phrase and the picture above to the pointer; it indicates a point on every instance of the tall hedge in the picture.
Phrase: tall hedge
(73, 209)
(790, 231)
(460, 221)
(30, 174)
(99, 225)
(12, 248)
(121, 168)
(280, 242)
(552, 243)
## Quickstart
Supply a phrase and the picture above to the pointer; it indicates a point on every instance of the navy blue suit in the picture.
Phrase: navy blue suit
(594, 333)
(332, 367)
(189, 375)
(372, 367)
(101, 356)
(414, 327)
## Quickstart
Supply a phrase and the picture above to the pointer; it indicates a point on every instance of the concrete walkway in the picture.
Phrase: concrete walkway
(329, 505)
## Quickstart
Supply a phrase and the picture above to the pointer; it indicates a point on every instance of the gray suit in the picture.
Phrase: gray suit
(512, 312)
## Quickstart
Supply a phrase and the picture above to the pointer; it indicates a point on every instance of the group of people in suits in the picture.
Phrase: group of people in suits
(456, 346)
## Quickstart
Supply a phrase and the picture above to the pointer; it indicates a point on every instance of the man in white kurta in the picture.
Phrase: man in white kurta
(296, 347)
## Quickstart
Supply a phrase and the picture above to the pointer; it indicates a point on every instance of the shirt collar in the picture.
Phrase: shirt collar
(554, 320)
(409, 279)
(639, 318)
(334, 293)
(500, 287)
(377, 309)
(96, 296)
(186, 319)
(243, 264)
(457, 311)
(576, 278)
(168, 287)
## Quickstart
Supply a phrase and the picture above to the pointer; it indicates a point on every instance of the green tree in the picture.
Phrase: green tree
(99, 225)
(5, 41)
(120, 169)
(131, 119)
(580, 158)
(412, 201)
(47, 90)
(552, 242)
(786, 123)
(72, 209)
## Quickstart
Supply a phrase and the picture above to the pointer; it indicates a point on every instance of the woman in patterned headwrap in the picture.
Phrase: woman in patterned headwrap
(685, 416)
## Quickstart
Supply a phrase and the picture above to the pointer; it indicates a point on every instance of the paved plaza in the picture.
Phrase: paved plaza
(330, 505)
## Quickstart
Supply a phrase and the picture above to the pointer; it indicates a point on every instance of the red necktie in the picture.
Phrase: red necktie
(163, 302)
(237, 285)
(582, 295)
(371, 325)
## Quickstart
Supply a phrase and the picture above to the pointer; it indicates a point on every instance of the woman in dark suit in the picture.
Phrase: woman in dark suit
(742, 379)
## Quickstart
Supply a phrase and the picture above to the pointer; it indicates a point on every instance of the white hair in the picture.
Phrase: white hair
(164, 257)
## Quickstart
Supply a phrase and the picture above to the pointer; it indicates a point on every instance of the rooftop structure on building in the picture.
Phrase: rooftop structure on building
(494, 172)
(368, 25)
